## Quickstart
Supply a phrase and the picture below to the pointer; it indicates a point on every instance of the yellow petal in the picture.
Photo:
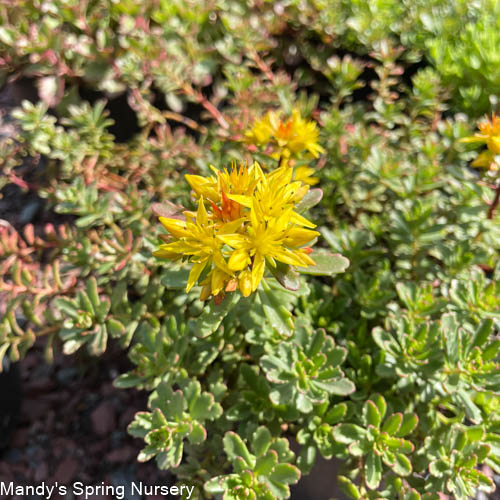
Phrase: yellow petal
(164, 253)
(288, 257)
(473, 138)
(203, 186)
(245, 283)
(220, 262)
(306, 260)
(196, 182)
(233, 240)
(494, 144)
(205, 293)
(299, 236)
(195, 274)
(217, 281)
(257, 270)
(483, 160)
(302, 221)
(175, 227)
(201, 214)
(239, 260)
(245, 201)
(231, 227)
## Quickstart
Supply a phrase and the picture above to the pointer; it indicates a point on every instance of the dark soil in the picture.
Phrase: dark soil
(72, 426)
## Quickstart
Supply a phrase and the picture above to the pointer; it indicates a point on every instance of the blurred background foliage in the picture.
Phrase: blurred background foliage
(116, 101)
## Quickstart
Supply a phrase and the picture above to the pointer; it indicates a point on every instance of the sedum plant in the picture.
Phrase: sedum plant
(324, 275)
(265, 473)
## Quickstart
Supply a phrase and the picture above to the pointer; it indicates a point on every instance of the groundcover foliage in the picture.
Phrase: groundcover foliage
(261, 130)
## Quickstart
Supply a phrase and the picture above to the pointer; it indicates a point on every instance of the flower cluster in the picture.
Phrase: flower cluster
(489, 134)
(287, 137)
(246, 219)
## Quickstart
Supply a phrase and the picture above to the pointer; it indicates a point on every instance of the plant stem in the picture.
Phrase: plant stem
(494, 204)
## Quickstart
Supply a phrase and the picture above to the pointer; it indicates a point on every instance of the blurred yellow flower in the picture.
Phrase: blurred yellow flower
(489, 134)
(288, 137)
(305, 175)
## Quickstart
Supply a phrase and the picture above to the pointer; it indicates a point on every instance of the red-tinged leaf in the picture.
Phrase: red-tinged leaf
(169, 210)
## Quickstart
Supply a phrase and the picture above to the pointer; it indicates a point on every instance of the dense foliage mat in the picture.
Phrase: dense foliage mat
(256, 131)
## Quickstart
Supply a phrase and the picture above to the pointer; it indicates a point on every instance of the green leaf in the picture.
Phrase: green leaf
(311, 199)
(286, 276)
(402, 465)
(211, 317)
(303, 403)
(471, 410)
(147, 453)
(175, 279)
(99, 341)
(327, 264)
(261, 441)
(411, 495)
(449, 328)
(86, 303)
(347, 433)
(67, 306)
(115, 328)
(6, 36)
(373, 470)
(348, 487)
(483, 333)
(371, 415)
(341, 387)
(266, 463)
(102, 310)
(173, 409)
(474, 434)
(381, 404)
(384, 339)
(215, 485)
(490, 352)
(336, 413)
(141, 425)
(393, 424)
(278, 316)
(91, 288)
(285, 474)
(71, 346)
(198, 434)
(235, 447)
(485, 483)
(307, 458)
(438, 468)
(127, 380)
(410, 421)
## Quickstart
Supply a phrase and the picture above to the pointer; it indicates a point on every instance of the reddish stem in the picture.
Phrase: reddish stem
(200, 98)
(494, 204)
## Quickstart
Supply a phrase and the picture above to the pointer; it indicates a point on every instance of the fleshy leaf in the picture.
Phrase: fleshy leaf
(327, 264)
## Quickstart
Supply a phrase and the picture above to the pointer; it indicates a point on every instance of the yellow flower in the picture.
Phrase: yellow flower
(305, 175)
(250, 221)
(196, 238)
(274, 194)
(292, 136)
(273, 240)
(240, 180)
(489, 134)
